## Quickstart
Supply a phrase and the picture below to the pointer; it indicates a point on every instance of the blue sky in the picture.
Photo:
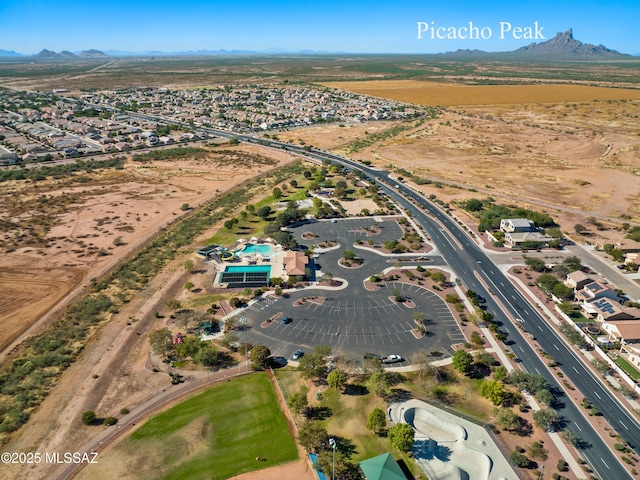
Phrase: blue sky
(357, 26)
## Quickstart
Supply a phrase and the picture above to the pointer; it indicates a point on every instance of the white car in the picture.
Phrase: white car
(391, 359)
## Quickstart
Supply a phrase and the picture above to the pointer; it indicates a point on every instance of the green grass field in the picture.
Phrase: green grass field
(216, 434)
(627, 367)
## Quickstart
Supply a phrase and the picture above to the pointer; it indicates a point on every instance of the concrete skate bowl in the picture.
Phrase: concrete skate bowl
(445, 447)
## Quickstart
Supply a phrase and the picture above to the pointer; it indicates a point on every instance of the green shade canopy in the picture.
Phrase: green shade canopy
(382, 467)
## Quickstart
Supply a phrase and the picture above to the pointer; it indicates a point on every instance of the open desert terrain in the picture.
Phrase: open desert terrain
(60, 233)
(577, 158)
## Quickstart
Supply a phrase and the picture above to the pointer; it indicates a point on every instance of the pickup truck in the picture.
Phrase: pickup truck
(391, 359)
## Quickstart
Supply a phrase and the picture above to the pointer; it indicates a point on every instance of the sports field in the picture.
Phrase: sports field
(214, 435)
(444, 94)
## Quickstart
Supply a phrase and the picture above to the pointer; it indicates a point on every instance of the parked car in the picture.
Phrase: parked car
(391, 359)
(287, 320)
(297, 354)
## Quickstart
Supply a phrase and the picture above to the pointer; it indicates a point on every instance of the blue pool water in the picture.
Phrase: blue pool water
(248, 268)
(262, 249)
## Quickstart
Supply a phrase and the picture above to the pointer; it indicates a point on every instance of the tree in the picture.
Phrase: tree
(493, 390)
(537, 451)
(109, 421)
(462, 361)
(379, 384)
(401, 436)
(348, 255)
(313, 436)
(298, 401)
(601, 366)
(573, 263)
(189, 285)
(545, 397)
(229, 224)
(563, 292)
(545, 418)
(259, 356)
(207, 357)
(535, 264)
(546, 282)
(579, 228)
(160, 341)
(293, 183)
(570, 437)
(188, 266)
(508, 419)
(376, 421)
(264, 212)
(189, 347)
(519, 459)
(184, 207)
(276, 193)
(312, 366)
(89, 417)
(337, 379)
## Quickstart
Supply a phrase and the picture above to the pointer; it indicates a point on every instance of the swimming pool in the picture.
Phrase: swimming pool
(262, 249)
(248, 268)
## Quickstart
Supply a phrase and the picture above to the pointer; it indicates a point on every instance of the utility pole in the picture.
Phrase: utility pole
(332, 443)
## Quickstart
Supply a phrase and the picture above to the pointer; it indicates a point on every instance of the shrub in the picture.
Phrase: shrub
(89, 417)
(109, 421)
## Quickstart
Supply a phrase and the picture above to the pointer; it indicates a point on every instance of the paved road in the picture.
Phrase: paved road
(472, 265)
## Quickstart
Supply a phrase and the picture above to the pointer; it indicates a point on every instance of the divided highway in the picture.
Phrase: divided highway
(471, 264)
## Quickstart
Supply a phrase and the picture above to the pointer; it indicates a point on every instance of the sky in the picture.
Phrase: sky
(351, 26)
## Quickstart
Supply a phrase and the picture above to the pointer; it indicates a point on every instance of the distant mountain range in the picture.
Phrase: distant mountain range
(561, 47)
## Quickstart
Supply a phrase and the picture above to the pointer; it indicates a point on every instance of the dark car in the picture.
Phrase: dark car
(278, 362)
(287, 320)
(297, 354)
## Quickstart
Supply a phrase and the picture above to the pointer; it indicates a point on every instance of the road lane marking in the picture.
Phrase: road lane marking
(623, 424)
(596, 394)
(577, 426)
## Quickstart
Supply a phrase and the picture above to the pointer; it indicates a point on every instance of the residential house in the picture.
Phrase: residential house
(607, 310)
(578, 280)
(595, 291)
(623, 331)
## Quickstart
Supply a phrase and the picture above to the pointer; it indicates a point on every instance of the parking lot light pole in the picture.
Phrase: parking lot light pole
(332, 442)
(243, 321)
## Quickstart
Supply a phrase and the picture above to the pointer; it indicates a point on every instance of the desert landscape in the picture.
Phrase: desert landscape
(74, 231)
(570, 150)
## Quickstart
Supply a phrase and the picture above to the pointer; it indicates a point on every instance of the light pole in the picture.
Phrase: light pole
(332, 443)
(243, 321)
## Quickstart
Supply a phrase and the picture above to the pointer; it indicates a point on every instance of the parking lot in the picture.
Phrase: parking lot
(354, 320)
